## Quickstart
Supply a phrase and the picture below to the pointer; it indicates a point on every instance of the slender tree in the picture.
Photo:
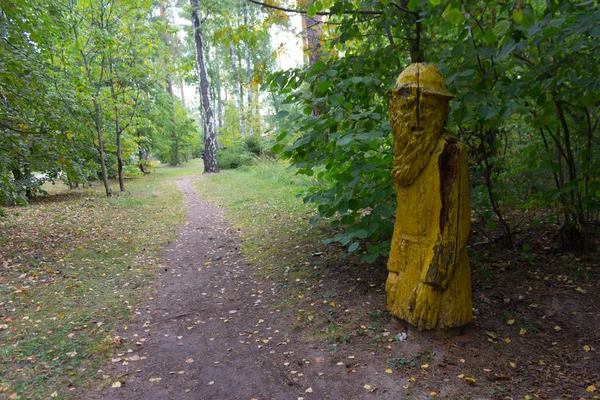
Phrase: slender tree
(210, 139)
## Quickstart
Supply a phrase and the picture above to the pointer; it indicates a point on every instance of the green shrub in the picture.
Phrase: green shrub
(132, 171)
(254, 145)
(233, 157)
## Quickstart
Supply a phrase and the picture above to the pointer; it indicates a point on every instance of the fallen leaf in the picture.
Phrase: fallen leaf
(155, 379)
(462, 360)
(211, 383)
(389, 371)
(557, 328)
(370, 388)
(493, 335)
(134, 358)
(12, 396)
(425, 366)
(471, 381)
(54, 394)
(412, 379)
(432, 394)
(522, 331)
(514, 365)
(309, 390)
(590, 389)
(116, 384)
(510, 321)
(189, 360)
(71, 354)
(586, 348)
(461, 376)
(507, 340)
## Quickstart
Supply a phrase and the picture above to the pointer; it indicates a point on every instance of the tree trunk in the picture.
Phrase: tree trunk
(210, 139)
(248, 76)
(119, 151)
(312, 34)
(117, 131)
(219, 100)
(238, 88)
(103, 172)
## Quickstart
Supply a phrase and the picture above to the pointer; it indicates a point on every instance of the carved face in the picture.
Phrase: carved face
(417, 126)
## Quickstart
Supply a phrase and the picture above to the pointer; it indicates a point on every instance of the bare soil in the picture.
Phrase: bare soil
(219, 328)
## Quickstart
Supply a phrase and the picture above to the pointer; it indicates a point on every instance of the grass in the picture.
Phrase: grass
(262, 201)
(74, 266)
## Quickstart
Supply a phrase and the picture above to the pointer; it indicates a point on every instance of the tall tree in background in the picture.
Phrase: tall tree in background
(210, 139)
(312, 28)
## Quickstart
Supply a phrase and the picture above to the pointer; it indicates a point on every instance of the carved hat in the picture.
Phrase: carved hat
(427, 77)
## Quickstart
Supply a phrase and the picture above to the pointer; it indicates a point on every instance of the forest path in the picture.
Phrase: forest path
(212, 332)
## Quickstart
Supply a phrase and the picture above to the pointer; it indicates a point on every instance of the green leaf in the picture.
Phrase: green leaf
(369, 258)
(455, 16)
(490, 37)
(277, 148)
(311, 11)
(501, 27)
(518, 16)
(467, 72)
(457, 51)
(435, 2)
(352, 248)
(323, 86)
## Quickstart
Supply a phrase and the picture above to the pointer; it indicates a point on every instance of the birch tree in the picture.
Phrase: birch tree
(210, 139)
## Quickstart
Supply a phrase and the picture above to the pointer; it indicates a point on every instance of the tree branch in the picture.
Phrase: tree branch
(399, 7)
(291, 10)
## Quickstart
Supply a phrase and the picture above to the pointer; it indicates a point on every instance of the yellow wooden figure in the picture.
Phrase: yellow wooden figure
(429, 281)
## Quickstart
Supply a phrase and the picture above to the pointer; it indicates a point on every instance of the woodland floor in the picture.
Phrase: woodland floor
(220, 328)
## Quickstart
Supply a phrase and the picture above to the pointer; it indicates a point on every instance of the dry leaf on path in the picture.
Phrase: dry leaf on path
(370, 388)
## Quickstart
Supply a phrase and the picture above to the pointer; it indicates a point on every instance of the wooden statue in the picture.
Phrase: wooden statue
(429, 281)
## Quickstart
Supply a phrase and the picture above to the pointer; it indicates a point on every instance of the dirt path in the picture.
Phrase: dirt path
(215, 331)
(212, 333)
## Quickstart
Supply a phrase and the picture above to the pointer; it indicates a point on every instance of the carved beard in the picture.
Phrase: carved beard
(415, 141)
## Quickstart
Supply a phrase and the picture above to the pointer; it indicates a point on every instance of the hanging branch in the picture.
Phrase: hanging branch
(291, 10)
